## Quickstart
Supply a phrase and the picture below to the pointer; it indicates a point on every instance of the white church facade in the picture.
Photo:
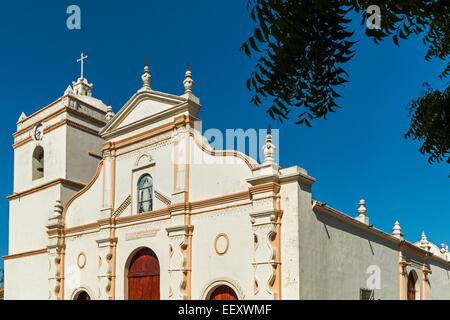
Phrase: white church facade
(115, 206)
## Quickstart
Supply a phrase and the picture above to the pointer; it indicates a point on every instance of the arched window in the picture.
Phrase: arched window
(38, 163)
(145, 194)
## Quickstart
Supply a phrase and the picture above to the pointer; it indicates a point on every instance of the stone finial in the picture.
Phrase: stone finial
(443, 248)
(397, 231)
(188, 82)
(362, 207)
(22, 117)
(146, 78)
(269, 148)
(109, 113)
(362, 212)
(424, 243)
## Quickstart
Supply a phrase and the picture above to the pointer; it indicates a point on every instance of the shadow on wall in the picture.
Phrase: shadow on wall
(346, 228)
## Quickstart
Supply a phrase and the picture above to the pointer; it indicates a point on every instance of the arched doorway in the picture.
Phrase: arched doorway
(143, 276)
(412, 286)
(82, 295)
(223, 292)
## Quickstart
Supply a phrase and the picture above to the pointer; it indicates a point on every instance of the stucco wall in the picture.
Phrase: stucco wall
(334, 257)
(26, 278)
(235, 265)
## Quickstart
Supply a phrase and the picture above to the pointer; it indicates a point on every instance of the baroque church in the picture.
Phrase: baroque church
(115, 206)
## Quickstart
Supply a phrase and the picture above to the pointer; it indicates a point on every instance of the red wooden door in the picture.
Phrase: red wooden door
(411, 287)
(143, 276)
(223, 293)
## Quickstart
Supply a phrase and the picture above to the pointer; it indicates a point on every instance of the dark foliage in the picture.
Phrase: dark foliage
(430, 119)
(302, 45)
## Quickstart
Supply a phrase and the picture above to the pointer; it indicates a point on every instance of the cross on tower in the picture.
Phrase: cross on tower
(81, 60)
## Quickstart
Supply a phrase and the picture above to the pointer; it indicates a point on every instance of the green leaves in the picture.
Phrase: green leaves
(301, 47)
(430, 118)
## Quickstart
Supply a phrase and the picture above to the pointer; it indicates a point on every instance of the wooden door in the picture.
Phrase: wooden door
(411, 287)
(143, 276)
(223, 293)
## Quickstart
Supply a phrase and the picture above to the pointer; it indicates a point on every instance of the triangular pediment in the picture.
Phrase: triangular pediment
(147, 107)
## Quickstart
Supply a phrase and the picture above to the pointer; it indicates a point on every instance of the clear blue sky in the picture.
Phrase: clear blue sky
(358, 153)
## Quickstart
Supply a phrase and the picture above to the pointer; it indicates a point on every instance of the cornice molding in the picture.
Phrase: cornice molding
(46, 185)
(25, 254)
(403, 245)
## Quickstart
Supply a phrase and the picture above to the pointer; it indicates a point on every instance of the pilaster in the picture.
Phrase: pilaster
(179, 261)
(55, 249)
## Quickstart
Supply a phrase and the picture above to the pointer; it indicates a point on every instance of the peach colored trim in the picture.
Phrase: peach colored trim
(277, 282)
(63, 220)
(138, 137)
(77, 229)
(118, 154)
(158, 213)
(221, 253)
(25, 254)
(143, 216)
(62, 270)
(175, 164)
(39, 111)
(103, 188)
(239, 196)
(55, 102)
(57, 125)
(81, 265)
(218, 153)
(188, 254)
(46, 185)
(425, 273)
(21, 143)
(57, 113)
(34, 124)
(113, 231)
(186, 169)
(222, 208)
(113, 182)
(79, 193)
(143, 222)
(265, 187)
(402, 272)
(79, 234)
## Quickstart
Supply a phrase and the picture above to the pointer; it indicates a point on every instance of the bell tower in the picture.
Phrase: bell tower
(56, 153)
